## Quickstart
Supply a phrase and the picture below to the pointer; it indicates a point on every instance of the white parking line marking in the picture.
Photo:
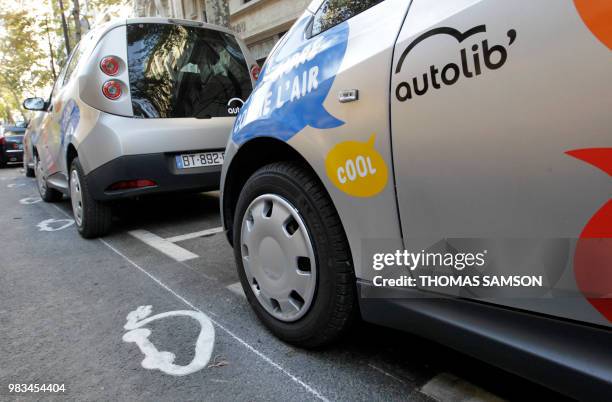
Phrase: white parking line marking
(447, 387)
(265, 358)
(236, 288)
(16, 185)
(189, 236)
(164, 361)
(53, 225)
(385, 373)
(164, 246)
(30, 200)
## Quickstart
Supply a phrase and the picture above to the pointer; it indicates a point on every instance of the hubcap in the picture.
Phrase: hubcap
(278, 257)
(76, 197)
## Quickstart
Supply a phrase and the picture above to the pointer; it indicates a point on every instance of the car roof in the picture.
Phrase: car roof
(159, 20)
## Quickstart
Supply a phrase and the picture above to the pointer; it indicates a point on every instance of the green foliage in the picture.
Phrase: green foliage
(23, 67)
(31, 35)
(100, 5)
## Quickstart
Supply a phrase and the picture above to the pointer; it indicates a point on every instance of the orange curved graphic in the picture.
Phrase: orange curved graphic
(593, 256)
(597, 15)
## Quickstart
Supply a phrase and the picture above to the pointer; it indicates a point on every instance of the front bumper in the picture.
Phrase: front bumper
(160, 168)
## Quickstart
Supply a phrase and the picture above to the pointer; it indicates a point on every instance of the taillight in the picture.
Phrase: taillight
(2, 140)
(112, 89)
(109, 66)
(131, 184)
(255, 70)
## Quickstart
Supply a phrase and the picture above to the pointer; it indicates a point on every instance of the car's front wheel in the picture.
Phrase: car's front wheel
(93, 218)
(46, 193)
(293, 257)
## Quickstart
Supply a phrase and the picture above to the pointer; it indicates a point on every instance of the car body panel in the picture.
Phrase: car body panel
(570, 358)
(31, 138)
(112, 136)
(91, 78)
(493, 174)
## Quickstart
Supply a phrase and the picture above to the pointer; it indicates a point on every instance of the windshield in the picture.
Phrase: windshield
(8, 131)
(180, 71)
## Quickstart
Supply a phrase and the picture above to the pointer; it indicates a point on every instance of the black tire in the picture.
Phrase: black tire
(334, 307)
(97, 216)
(29, 172)
(46, 193)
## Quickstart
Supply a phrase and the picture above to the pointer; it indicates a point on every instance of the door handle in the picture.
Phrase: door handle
(348, 95)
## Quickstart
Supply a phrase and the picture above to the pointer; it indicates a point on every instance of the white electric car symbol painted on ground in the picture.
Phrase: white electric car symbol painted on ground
(162, 360)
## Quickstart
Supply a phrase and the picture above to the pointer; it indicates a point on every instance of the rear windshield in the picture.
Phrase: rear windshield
(179, 71)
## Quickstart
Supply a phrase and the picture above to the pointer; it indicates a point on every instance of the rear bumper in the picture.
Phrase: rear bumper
(574, 359)
(160, 168)
(12, 156)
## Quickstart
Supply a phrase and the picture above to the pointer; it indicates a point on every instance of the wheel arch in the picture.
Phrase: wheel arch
(71, 154)
(251, 156)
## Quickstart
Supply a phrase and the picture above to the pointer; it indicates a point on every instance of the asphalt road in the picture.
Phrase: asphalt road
(64, 303)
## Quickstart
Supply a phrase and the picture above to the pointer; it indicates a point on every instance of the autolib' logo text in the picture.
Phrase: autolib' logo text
(469, 66)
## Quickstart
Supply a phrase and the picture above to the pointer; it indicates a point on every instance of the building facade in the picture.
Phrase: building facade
(260, 23)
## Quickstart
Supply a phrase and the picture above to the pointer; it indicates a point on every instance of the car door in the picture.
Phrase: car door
(60, 115)
(489, 98)
(45, 146)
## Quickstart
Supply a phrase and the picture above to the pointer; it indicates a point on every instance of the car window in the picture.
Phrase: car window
(72, 63)
(180, 71)
(59, 80)
(334, 12)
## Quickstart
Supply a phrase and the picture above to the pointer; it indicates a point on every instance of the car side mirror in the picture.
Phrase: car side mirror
(34, 104)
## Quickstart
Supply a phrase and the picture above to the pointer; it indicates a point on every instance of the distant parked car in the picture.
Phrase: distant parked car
(142, 106)
(11, 144)
(31, 136)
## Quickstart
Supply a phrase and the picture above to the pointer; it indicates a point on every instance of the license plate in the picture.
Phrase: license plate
(204, 159)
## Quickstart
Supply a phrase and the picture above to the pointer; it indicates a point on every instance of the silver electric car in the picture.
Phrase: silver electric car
(437, 166)
(142, 106)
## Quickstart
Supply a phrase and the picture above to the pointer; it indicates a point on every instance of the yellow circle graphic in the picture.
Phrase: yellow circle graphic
(357, 168)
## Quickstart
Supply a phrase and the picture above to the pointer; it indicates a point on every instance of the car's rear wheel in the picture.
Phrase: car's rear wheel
(93, 218)
(46, 193)
(293, 257)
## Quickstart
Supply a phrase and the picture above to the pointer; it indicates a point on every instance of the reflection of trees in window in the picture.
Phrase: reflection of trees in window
(153, 65)
(334, 12)
(178, 71)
